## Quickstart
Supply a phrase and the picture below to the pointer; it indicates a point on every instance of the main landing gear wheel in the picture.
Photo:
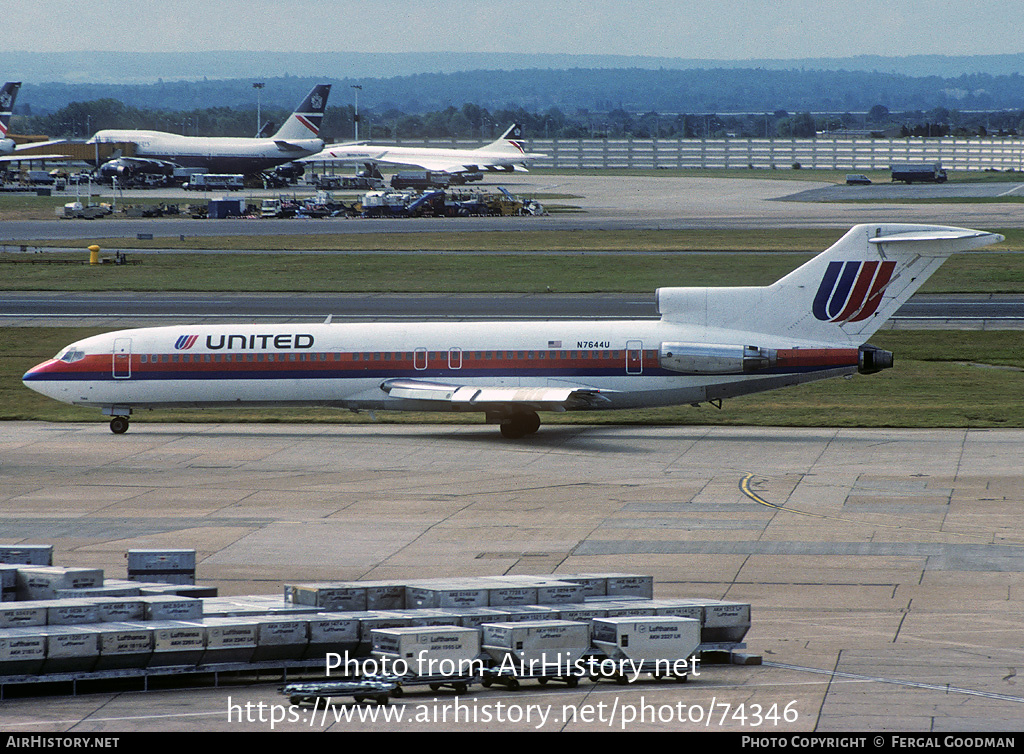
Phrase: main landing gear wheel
(119, 425)
(520, 425)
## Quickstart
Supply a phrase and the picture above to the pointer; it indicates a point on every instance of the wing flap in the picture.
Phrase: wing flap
(540, 398)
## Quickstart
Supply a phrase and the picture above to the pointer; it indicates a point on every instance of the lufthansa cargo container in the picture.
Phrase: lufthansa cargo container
(552, 642)
(384, 595)
(107, 590)
(624, 608)
(167, 607)
(501, 593)
(551, 590)
(116, 609)
(39, 555)
(723, 622)
(328, 596)
(42, 582)
(22, 651)
(281, 638)
(474, 617)
(70, 612)
(177, 642)
(446, 593)
(430, 650)
(229, 640)
(647, 639)
(8, 583)
(627, 585)
(523, 613)
(163, 566)
(124, 645)
(581, 613)
(23, 614)
(70, 649)
(331, 632)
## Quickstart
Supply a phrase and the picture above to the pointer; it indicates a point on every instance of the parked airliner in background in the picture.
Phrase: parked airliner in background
(8, 94)
(504, 154)
(160, 152)
(10, 150)
(709, 344)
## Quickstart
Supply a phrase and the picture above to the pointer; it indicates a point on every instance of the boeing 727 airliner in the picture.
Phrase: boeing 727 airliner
(709, 344)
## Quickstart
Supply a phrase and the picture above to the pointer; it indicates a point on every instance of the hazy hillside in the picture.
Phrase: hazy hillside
(722, 90)
(105, 67)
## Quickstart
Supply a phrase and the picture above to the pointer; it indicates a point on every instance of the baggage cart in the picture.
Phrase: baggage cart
(361, 690)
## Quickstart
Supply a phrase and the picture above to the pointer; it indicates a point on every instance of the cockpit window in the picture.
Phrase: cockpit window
(71, 355)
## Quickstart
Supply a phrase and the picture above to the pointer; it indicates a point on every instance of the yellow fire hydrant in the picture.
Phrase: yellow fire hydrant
(94, 254)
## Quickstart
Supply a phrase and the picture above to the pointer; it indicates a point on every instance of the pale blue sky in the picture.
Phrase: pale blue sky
(718, 29)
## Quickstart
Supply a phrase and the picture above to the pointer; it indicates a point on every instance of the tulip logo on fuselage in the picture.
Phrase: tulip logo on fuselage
(851, 291)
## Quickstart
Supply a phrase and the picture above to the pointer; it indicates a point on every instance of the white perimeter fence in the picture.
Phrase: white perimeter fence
(838, 153)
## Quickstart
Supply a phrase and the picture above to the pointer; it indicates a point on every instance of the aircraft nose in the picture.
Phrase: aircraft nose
(36, 378)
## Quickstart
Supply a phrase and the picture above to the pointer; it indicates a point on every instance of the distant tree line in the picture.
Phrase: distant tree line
(473, 121)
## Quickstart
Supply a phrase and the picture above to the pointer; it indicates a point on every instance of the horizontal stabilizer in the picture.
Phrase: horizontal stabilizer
(842, 296)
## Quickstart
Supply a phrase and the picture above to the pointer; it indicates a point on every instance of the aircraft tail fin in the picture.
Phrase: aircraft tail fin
(843, 295)
(8, 94)
(508, 142)
(305, 122)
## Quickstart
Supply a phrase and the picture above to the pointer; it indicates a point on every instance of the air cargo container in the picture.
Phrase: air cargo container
(164, 566)
(229, 640)
(42, 582)
(647, 639)
(22, 651)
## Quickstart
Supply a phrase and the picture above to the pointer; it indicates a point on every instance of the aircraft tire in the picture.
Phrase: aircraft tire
(513, 430)
(119, 425)
(531, 422)
(520, 424)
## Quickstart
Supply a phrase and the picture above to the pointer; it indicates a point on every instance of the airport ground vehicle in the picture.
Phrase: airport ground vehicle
(930, 172)
(215, 182)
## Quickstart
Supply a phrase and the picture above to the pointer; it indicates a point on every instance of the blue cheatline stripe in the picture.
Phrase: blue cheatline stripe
(458, 375)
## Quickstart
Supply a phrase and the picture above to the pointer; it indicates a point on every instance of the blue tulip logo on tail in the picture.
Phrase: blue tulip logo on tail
(851, 291)
(185, 342)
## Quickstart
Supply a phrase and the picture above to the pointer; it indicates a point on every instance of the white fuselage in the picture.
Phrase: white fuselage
(218, 154)
(435, 158)
(345, 365)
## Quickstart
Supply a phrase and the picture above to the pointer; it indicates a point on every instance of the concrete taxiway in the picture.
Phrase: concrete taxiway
(597, 202)
(885, 568)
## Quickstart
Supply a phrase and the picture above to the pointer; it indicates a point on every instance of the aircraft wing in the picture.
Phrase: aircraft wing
(538, 399)
(21, 157)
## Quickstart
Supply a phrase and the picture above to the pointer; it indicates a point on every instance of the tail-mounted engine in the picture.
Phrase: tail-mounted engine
(717, 358)
(871, 359)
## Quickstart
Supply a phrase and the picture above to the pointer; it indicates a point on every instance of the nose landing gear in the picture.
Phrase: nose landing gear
(119, 425)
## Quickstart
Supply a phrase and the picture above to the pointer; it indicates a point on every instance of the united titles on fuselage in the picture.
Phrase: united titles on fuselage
(280, 342)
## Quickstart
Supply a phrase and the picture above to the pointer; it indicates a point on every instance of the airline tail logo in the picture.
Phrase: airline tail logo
(851, 291)
(185, 342)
